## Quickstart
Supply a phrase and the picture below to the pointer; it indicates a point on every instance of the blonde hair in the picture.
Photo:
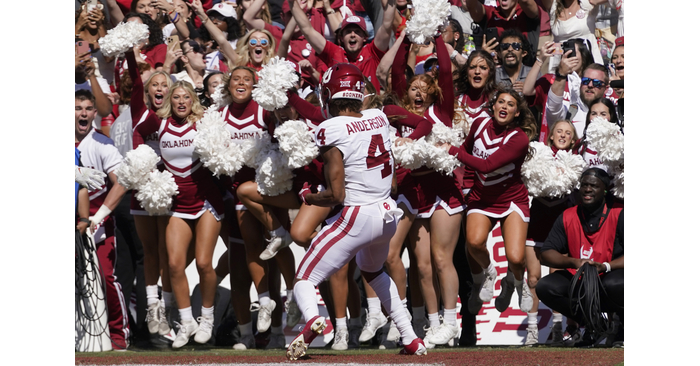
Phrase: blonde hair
(150, 78)
(574, 136)
(244, 54)
(167, 109)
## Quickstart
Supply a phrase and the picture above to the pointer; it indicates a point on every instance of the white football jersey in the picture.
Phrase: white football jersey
(98, 152)
(367, 158)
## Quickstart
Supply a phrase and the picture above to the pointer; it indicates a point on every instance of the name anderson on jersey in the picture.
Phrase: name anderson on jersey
(366, 125)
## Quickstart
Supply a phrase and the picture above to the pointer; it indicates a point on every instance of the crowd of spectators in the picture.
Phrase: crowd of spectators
(545, 68)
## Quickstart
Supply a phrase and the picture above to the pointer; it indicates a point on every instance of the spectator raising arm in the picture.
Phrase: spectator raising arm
(387, 60)
(176, 18)
(315, 39)
(382, 36)
(102, 103)
(215, 33)
(250, 17)
(115, 13)
(334, 17)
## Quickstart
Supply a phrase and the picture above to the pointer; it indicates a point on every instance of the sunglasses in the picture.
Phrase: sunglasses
(516, 46)
(263, 43)
(596, 83)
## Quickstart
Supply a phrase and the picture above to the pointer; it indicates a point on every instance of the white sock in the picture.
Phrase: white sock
(186, 314)
(558, 317)
(290, 295)
(518, 283)
(532, 320)
(404, 302)
(277, 330)
(245, 329)
(264, 298)
(450, 316)
(279, 232)
(434, 320)
(490, 269)
(168, 299)
(305, 295)
(208, 312)
(341, 323)
(152, 295)
(374, 306)
(388, 293)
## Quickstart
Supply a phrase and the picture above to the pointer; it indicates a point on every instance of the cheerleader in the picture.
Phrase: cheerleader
(543, 212)
(495, 149)
(432, 198)
(151, 229)
(196, 210)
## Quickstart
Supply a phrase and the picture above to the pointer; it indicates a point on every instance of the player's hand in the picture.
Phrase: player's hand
(82, 227)
(305, 191)
(89, 178)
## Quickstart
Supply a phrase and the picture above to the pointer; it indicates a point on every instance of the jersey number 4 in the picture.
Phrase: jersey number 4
(377, 143)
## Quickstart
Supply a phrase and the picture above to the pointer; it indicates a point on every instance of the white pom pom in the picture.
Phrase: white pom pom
(156, 195)
(439, 159)
(219, 99)
(442, 133)
(122, 38)
(618, 183)
(134, 169)
(273, 176)
(545, 175)
(213, 144)
(410, 155)
(428, 17)
(274, 79)
(296, 143)
(253, 148)
(607, 139)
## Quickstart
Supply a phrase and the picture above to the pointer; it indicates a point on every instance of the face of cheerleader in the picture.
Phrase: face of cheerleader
(181, 8)
(181, 102)
(258, 51)
(157, 90)
(618, 59)
(600, 110)
(478, 73)
(505, 110)
(353, 38)
(418, 97)
(241, 86)
(85, 112)
(287, 113)
(214, 82)
(562, 136)
(592, 191)
(144, 7)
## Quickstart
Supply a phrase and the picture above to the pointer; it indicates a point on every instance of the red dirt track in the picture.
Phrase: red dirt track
(472, 356)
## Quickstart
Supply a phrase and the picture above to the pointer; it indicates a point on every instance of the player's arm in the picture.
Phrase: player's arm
(111, 201)
(315, 39)
(334, 170)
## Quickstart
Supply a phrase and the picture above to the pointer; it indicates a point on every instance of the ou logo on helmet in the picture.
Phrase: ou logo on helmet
(327, 75)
